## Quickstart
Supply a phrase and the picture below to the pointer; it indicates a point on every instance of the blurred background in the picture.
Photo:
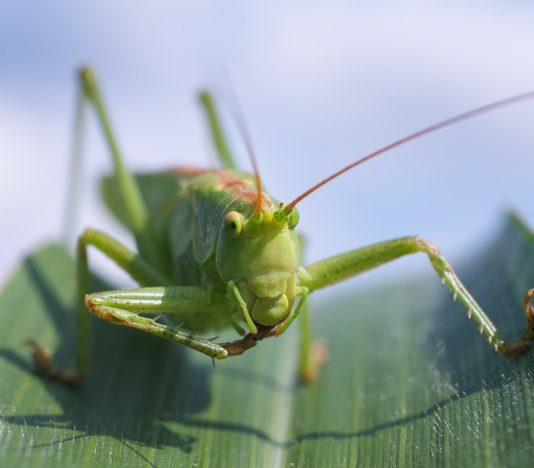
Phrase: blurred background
(321, 83)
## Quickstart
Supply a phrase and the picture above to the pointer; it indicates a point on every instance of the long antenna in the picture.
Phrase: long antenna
(425, 131)
(240, 121)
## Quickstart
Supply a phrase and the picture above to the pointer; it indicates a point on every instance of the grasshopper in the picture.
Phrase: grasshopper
(215, 251)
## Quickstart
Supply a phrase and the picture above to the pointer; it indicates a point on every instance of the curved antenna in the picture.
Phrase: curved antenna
(239, 117)
(425, 131)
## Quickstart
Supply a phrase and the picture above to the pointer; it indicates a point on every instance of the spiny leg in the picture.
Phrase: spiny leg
(344, 266)
(217, 134)
(131, 263)
(123, 307)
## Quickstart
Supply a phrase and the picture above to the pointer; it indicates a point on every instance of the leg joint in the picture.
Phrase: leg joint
(90, 303)
(426, 246)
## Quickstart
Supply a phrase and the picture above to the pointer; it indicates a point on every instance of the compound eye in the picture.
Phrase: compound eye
(293, 219)
(234, 222)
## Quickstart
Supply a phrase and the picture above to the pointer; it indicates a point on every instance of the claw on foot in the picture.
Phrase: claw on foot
(519, 346)
(45, 364)
(516, 348)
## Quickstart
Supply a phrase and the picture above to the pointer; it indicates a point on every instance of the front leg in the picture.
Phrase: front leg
(335, 269)
(125, 306)
(235, 348)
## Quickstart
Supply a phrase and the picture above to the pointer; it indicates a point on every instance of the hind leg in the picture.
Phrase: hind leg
(128, 261)
(216, 131)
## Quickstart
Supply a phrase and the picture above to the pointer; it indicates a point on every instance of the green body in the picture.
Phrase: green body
(213, 251)
(197, 248)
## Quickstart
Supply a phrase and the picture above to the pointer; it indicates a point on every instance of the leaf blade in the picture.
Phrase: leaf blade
(409, 381)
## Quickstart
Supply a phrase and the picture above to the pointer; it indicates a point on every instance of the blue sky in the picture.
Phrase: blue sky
(321, 84)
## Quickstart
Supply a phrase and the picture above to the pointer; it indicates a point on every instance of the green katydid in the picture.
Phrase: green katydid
(215, 251)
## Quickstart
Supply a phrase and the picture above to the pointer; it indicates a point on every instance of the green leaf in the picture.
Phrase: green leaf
(409, 381)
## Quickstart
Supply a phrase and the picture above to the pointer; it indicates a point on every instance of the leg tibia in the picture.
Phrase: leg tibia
(135, 207)
(124, 306)
(458, 290)
(344, 266)
(134, 203)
